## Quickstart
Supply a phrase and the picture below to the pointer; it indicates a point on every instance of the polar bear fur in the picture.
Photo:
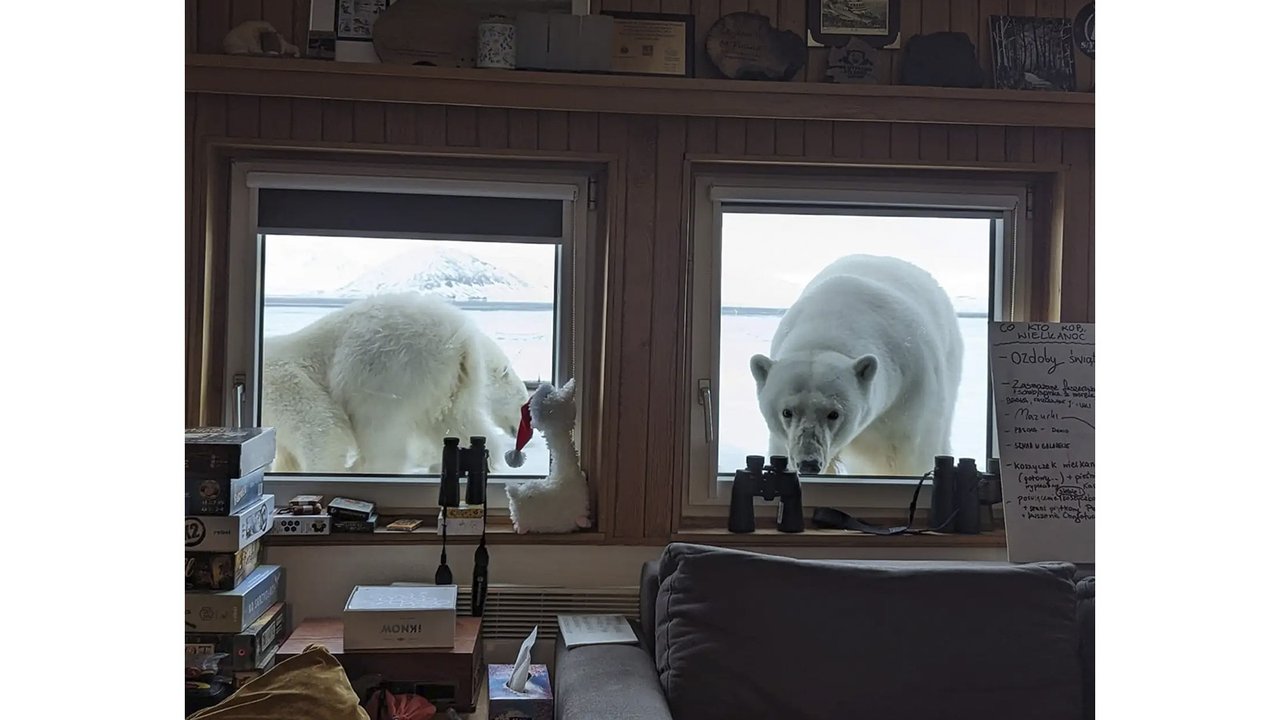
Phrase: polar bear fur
(867, 363)
(376, 386)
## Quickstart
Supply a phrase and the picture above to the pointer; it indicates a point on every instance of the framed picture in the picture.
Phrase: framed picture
(652, 44)
(1032, 53)
(833, 22)
(353, 19)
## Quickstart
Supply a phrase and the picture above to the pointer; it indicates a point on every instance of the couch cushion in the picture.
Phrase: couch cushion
(746, 635)
(1084, 620)
(617, 682)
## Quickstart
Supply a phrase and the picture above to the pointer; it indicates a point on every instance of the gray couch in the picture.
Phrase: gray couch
(731, 634)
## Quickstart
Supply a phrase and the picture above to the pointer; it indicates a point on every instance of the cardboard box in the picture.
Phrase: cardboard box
(399, 616)
(248, 650)
(451, 677)
(235, 610)
(223, 496)
(462, 520)
(219, 571)
(230, 533)
(559, 41)
(223, 453)
(535, 703)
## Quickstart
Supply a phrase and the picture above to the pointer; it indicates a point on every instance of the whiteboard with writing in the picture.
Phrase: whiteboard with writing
(1042, 374)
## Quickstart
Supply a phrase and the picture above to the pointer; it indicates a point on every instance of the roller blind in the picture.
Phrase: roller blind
(328, 212)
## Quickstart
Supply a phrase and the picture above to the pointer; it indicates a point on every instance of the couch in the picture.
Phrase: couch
(733, 634)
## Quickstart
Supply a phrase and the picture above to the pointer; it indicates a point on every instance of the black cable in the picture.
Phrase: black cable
(825, 517)
(444, 576)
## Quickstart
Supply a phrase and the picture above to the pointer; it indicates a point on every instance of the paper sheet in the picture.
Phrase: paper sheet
(1044, 393)
(595, 630)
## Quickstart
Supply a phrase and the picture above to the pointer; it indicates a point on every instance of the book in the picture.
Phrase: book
(595, 630)
(404, 525)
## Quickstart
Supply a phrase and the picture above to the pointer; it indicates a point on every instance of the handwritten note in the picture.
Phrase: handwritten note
(1043, 380)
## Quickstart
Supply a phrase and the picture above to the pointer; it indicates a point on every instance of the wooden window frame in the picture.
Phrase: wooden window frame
(700, 506)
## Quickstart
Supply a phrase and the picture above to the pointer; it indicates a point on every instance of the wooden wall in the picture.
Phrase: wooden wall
(642, 397)
(209, 20)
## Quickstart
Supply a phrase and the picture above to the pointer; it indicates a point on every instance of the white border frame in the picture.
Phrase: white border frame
(578, 252)
(708, 492)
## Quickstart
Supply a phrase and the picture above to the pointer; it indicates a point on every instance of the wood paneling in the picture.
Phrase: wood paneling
(664, 364)
(491, 127)
(522, 129)
(644, 203)
(1077, 233)
(631, 445)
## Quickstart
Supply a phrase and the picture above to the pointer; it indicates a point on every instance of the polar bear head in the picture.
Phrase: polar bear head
(815, 403)
(504, 390)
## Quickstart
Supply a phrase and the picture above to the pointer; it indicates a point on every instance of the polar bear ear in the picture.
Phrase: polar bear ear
(864, 368)
(760, 367)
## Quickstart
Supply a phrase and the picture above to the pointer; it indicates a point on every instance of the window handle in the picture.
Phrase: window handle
(704, 399)
(237, 398)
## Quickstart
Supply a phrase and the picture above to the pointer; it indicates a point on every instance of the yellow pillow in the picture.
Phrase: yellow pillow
(308, 686)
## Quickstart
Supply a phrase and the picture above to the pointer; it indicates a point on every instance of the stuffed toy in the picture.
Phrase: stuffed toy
(560, 501)
(257, 37)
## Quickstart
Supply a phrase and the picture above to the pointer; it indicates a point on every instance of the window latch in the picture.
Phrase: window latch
(238, 385)
(704, 399)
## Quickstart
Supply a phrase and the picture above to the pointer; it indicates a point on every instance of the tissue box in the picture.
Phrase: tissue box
(380, 617)
(535, 703)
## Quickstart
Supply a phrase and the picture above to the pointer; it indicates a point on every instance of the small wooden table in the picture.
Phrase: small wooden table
(460, 669)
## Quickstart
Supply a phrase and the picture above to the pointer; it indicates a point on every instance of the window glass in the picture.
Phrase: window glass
(914, 298)
(375, 349)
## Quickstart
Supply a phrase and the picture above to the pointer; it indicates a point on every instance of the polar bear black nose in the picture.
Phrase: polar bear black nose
(809, 467)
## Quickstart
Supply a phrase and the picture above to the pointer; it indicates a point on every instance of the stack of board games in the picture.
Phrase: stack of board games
(235, 604)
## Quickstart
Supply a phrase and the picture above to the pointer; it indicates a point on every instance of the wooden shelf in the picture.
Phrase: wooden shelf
(319, 79)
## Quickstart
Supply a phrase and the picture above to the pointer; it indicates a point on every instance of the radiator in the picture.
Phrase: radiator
(511, 611)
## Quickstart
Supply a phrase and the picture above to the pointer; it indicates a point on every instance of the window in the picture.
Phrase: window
(844, 325)
(372, 312)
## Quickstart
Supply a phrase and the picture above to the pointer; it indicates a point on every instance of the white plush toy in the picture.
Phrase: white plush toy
(257, 37)
(560, 501)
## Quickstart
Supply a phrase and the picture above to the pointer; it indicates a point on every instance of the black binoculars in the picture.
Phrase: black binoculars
(774, 481)
(458, 461)
(963, 496)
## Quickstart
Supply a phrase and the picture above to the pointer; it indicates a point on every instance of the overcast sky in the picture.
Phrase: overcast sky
(766, 259)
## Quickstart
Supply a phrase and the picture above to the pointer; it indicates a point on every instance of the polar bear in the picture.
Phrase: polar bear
(865, 371)
(376, 386)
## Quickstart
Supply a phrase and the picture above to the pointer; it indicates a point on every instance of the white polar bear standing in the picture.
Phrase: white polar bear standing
(865, 371)
(376, 386)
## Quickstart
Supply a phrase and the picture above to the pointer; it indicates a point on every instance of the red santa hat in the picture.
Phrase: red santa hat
(515, 458)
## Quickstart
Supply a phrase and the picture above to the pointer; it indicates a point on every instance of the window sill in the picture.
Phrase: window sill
(837, 538)
(496, 534)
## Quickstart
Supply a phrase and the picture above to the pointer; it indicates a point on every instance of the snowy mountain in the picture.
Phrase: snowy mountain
(447, 273)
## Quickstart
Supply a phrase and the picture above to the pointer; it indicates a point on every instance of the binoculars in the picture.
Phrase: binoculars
(962, 496)
(774, 481)
(457, 461)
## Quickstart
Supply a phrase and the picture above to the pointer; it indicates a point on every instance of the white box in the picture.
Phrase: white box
(380, 617)
(462, 521)
(233, 532)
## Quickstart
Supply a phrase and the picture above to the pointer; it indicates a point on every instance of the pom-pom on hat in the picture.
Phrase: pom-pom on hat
(515, 458)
